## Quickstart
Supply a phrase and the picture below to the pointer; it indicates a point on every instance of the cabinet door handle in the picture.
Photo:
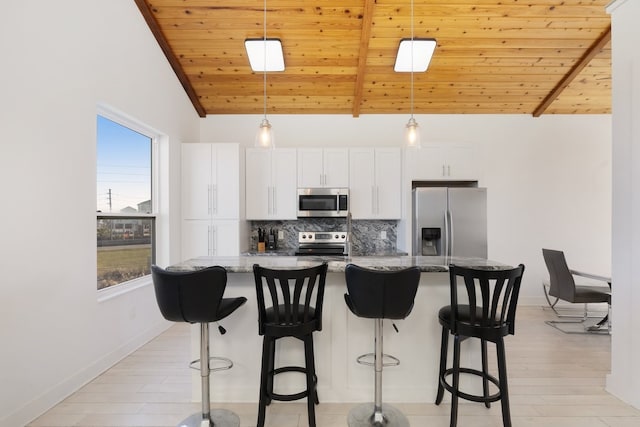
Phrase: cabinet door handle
(209, 231)
(373, 199)
(275, 206)
(214, 198)
(214, 246)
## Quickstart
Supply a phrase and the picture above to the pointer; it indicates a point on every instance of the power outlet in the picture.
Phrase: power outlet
(383, 235)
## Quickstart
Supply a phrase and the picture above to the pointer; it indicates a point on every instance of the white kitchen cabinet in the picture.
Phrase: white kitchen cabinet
(211, 177)
(210, 238)
(210, 181)
(442, 162)
(323, 167)
(375, 183)
(270, 183)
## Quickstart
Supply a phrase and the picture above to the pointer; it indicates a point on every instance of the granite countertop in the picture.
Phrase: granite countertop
(337, 264)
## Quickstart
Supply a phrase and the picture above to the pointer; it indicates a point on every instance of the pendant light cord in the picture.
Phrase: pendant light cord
(411, 59)
(264, 70)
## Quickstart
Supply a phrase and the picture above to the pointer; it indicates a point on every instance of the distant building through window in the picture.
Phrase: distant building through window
(125, 215)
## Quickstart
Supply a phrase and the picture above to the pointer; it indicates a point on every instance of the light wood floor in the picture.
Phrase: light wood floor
(555, 379)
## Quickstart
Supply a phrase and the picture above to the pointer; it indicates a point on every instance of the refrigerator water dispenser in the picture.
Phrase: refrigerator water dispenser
(431, 241)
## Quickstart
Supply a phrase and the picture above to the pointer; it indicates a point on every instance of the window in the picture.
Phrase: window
(125, 206)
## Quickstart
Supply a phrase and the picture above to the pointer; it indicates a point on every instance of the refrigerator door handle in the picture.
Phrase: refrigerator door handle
(450, 233)
(446, 233)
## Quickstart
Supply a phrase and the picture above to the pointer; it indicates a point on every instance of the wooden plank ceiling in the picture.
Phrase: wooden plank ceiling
(493, 56)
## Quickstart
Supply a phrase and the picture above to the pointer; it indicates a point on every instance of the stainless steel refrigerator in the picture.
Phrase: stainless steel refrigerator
(450, 221)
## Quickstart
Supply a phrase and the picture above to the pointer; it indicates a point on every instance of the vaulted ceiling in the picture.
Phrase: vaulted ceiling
(493, 56)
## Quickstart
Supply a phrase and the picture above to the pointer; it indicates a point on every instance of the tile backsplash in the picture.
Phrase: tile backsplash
(365, 234)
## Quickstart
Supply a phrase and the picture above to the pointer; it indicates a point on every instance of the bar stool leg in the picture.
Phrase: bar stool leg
(265, 378)
(504, 388)
(377, 403)
(485, 372)
(311, 382)
(219, 417)
(377, 414)
(456, 380)
(444, 347)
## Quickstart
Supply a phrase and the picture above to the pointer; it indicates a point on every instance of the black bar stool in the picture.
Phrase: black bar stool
(293, 312)
(196, 297)
(489, 315)
(379, 295)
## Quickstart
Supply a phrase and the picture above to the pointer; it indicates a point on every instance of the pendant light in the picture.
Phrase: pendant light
(265, 137)
(412, 131)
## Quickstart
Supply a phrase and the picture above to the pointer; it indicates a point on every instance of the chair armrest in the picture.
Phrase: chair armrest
(591, 276)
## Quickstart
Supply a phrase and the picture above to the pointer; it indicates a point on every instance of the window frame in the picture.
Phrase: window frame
(155, 136)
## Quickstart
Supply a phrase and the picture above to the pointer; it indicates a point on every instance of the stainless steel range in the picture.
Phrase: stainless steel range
(322, 243)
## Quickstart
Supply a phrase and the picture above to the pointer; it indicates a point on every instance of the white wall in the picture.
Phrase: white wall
(59, 60)
(548, 178)
(624, 381)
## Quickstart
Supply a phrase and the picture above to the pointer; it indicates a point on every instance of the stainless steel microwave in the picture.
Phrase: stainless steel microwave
(323, 202)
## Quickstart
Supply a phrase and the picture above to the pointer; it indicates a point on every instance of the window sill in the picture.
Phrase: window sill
(123, 288)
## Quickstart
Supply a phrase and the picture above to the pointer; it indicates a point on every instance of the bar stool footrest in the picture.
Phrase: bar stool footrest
(295, 396)
(471, 397)
(392, 360)
(226, 364)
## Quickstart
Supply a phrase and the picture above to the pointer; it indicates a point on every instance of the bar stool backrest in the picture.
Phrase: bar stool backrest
(293, 303)
(192, 297)
(377, 294)
(492, 297)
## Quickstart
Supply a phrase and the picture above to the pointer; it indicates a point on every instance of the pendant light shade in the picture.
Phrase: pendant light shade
(412, 134)
(265, 137)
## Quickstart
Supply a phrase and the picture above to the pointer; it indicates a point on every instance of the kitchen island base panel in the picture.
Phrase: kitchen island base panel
(343, 338)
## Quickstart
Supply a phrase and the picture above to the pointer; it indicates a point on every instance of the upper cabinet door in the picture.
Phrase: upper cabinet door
(210, 181)
(318, 167)
(375, 183)
(336, 167)
(196, 181)
(442, 162)
(225, 191)
(258, 183)
(271, 184)
(388, 172)
(284, 189)
(362, 182)
(462, 162)
(310, 167)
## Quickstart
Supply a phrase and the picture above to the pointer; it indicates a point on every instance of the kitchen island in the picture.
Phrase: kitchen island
(343, 337)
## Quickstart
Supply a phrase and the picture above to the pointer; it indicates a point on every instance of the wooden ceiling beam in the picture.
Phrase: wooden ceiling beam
(365, 36)
(595, 48)
(173, 61)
